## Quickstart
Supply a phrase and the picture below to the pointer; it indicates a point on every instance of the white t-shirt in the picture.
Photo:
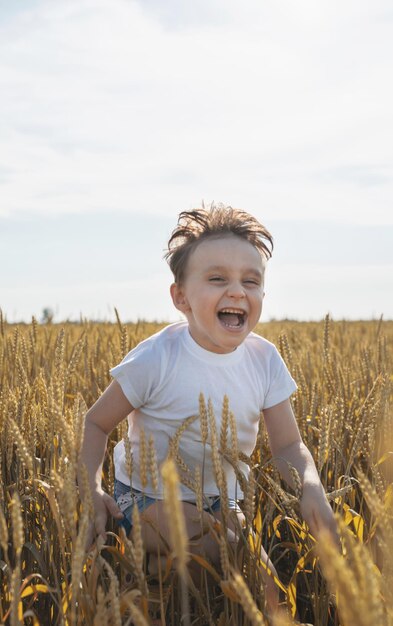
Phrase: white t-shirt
(163, 377)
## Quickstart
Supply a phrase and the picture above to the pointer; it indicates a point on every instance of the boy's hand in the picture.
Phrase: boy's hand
(104, 505)
(317, 511)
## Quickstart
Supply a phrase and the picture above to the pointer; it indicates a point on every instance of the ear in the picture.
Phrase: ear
(178, 298)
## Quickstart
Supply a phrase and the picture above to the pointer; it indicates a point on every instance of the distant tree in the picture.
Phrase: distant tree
(47, 316)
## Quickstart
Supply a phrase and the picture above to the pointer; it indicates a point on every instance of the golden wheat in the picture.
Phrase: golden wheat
(49, 374)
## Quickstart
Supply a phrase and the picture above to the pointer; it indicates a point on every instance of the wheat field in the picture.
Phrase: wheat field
(50, 374)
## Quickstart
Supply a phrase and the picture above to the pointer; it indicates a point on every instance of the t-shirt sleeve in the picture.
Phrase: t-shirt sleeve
(282, 385)
(137, 374)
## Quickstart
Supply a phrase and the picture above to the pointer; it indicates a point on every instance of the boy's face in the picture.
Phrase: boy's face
(222, 292)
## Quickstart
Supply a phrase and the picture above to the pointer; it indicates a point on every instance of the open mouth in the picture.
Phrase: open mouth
(232, 318)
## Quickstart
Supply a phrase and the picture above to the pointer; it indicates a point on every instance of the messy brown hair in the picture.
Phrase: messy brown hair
(195, 226)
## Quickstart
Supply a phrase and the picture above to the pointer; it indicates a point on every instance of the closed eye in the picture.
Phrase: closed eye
(216, 279)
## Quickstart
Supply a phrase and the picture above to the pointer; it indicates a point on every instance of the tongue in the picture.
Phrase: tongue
(230, 318)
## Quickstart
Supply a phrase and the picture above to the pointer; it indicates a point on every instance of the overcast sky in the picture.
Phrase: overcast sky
(117, 114)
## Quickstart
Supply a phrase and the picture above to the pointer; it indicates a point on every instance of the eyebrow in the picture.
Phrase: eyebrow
(223, 268)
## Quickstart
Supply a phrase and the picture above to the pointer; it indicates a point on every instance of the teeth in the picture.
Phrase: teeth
(238, 311)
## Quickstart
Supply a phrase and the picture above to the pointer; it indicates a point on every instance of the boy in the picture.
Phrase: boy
(218, 259)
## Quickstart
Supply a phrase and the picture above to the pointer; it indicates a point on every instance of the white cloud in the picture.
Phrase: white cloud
(115, 104)
(311, 291)
(135, 299)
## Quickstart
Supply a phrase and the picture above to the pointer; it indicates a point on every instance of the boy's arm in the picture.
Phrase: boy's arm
(287, 447)
(109, 410)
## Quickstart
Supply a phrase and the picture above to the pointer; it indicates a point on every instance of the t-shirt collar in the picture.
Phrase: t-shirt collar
(229, 358)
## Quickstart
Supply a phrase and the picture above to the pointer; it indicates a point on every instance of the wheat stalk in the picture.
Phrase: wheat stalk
(174, 512)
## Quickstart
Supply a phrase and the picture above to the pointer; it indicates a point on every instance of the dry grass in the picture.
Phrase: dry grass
(50, 374)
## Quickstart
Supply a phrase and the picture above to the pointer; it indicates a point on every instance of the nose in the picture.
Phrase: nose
(235, 290)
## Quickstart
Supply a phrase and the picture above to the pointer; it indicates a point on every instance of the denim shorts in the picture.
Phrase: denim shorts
(127, 497)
